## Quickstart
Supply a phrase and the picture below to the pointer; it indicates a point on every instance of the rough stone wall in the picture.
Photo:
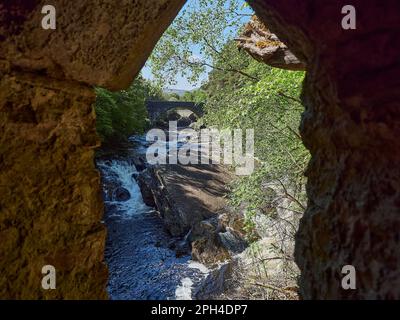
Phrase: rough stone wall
(50, 200)
(96, 42)
(51, 206)
(351, 127)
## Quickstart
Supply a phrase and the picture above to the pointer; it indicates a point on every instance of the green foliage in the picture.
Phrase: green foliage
(270, 105)
(123, 113)
(195, 41)
(240, 93)
(198, 96)
(172, 96)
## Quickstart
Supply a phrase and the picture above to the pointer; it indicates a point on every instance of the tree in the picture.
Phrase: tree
(123, 113)
(241, 93)
(271, 107)
(198, 95)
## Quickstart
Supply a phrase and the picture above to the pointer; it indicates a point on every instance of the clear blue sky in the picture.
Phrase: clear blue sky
(181, 82)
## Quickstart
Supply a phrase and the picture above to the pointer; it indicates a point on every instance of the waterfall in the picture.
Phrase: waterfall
(121, 173)
(140, 261)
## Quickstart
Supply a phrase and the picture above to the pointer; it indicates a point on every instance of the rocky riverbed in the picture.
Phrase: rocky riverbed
(169, 229)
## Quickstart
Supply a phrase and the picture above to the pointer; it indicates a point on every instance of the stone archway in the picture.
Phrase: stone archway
(50, 194)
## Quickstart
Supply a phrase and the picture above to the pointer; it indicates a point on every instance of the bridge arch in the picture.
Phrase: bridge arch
(156, 108)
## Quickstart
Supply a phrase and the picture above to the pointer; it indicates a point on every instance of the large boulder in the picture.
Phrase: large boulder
(191, 201)
(206, 247)
(193, 213)
(217, 282)
(186, 195)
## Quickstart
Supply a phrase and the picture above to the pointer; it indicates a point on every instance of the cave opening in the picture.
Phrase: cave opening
(235, 129)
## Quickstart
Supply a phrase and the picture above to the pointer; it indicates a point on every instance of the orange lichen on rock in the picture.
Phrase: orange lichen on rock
(265, 46)
(268, 43)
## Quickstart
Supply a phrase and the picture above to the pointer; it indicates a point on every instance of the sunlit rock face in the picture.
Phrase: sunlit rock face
(104, 43)
(351, 125)
(50, 202)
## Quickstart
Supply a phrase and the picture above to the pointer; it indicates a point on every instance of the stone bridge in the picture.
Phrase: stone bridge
(156, 108)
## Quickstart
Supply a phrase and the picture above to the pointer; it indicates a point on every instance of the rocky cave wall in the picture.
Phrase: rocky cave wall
(351, 126)
(50, 203)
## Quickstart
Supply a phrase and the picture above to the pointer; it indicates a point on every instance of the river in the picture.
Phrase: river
(142, 265)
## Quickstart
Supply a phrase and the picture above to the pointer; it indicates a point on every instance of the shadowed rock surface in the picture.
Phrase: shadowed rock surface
(50, 202)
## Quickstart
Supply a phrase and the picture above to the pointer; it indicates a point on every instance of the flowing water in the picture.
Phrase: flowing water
(140, 261)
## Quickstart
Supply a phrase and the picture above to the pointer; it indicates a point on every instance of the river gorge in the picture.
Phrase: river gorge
(148, 253)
